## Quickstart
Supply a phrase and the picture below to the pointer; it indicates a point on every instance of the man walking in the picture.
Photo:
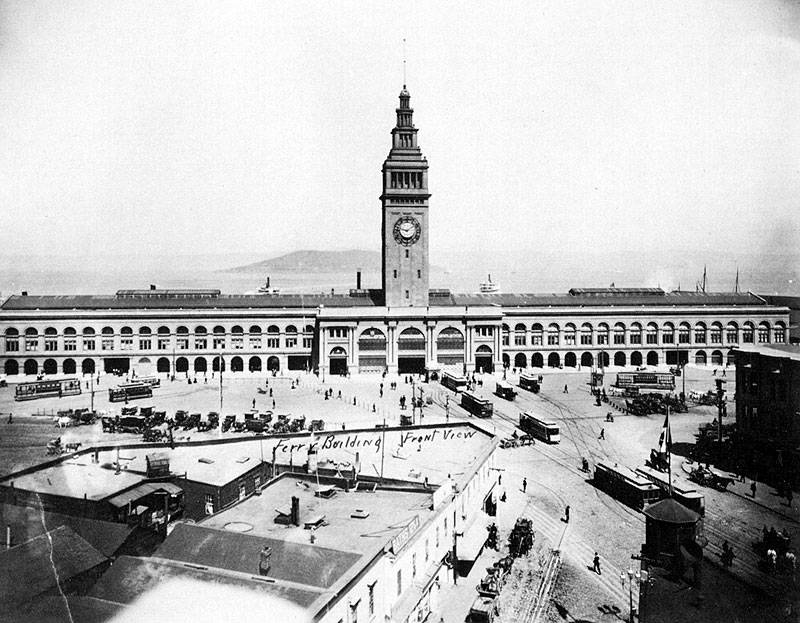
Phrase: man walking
(596, 564)
(566, 514)
(602, 433)
(524, 484)
(753, 488)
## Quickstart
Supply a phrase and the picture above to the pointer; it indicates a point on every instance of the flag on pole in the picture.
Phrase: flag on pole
(665, 439)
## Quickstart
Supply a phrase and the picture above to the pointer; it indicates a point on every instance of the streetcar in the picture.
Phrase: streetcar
(451, 381)
(153, 381)
(477, 406)
(48, 389)
(505, 390)
(683, 493)
(130, 391)
(626, 485)
(529, 382)
(646, 380)
(538, 428)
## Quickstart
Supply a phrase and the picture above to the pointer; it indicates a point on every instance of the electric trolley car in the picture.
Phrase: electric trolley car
(451, 381)
(538, 428)
(685, 494)
(529, 382)
(477, 406)
(47, 389)
(505, 390)
(130, 391)
(625, 485)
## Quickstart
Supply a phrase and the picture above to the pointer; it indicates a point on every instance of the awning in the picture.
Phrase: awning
(142, 490)
(469, 546)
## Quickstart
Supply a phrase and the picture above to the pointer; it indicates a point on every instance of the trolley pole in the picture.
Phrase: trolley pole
(91, 393)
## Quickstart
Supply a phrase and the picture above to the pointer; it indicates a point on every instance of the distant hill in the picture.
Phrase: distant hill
(315, 261)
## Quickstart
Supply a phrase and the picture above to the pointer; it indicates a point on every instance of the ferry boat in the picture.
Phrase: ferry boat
(489, 286)
(267, 289)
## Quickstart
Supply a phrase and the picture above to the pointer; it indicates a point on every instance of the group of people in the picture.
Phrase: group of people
(776, 550)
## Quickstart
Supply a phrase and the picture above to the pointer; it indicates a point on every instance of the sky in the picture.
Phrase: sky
(157, 128)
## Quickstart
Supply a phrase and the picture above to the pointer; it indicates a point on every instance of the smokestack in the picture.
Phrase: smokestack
(295, 510)
(152, 286)
(358, 279)
(264, 559)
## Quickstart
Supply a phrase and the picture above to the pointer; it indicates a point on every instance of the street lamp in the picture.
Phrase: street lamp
(642, 578)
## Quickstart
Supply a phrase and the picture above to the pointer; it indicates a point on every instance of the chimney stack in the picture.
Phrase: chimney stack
(358, 279)
(152, 286)
(295, 510)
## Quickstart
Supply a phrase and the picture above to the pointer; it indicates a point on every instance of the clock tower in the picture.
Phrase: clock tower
(405, 215)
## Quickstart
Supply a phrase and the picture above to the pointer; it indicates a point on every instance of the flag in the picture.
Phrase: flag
(665, 439)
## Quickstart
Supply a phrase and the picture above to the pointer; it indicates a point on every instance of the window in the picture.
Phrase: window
(371, 602)
(88, 341)
(162, 343)
(395, 273)
(602, 335)
(354, 612)
(668, 335)
(732, 334)
(407, 295)
(652, 334)
(407, 252)
(763, 334)
(552, 335)
(437, 536)
(519, 335)
(780, 334)
(484, 331)
(308, 337)
(291, 337)
(414, 565)
(426, 550)
(145, 343)
(70, 343)
(399, 582)
(419, 274)
(505, 335)
(716, 334)
(569, 335)
(445, 527)
(747, 334)
(237, 338)
(700, 334)
(337, 332)
(107, 343)
(683, 334)
(50, 343)
(619, 334)
(586, 335)
(635, 335)
(209, 505)
(536, 335)
(12, 343)
(126, 343)
(31, 342)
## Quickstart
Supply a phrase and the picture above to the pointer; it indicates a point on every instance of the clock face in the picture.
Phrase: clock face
(407, 230)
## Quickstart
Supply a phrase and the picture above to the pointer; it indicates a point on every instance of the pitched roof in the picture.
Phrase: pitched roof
(290, 561)
(53, 609)
(27, 523)
(670, 511)
(43, 562)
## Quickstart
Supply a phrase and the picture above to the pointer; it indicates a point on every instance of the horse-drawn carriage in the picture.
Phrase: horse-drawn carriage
(710, 477)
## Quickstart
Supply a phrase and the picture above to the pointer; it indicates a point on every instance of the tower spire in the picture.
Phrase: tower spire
(404, 62)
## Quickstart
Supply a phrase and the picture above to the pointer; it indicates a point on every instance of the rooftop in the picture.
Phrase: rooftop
(210, 299)
(75, 477)
(784, 351)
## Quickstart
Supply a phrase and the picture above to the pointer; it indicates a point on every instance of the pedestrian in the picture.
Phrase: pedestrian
(270, 392)
(10, 418)
(789, 496)
(772, 559)
(273, 403)
(566, 389)
(602, 433)
(524, 484)
(753, 488)
(254, 403)
(503, 496)
(566, 514)
(596, 564)
(499, 479)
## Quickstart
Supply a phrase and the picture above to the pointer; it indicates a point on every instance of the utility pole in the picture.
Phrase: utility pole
(91, 395)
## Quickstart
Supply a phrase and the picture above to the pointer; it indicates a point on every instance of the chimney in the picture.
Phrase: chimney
(152, 286)
(267, 281)
(264, 560)
(24, 293)
(358, 279)
(295, 510)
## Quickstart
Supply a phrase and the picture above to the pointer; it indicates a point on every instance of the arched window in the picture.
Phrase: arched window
(50, 342)
(586, 334)
(668, 333)
(700, 333)
(181, 340)
(569, 339)
(553, 335)
(450, 339)
(200, 338)
(716, 333)
(254, 337)
(163, 340)
(273, 337)
(732, 333)
(520, 331)
(748, 331)
(218, 339)
(635, 334)
(145, 341)
(126, 338)
(763, 333)
(31, 340)
(372, 341)
(619, 334)
(537, 332)
(602, 334)
(506, 334)
(237, 340)
(684, 333)
(308, 336)
(88, 338)
(12, 340)
(651, 336)
(291, 336)
(780, 333)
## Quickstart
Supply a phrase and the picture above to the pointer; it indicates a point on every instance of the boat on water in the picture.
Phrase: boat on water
(489, 286)
(267, 289)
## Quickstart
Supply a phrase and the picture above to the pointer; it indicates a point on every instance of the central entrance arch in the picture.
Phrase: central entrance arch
(484, 362)
(411, 351)
(338, 361)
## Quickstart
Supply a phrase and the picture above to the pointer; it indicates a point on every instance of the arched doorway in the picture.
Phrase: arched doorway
(537, 360)
(182, 364)
(200, 365)
(636, 358)
(215, 364)
(143, 367)
(619, 359)
(162, 365)
(587, 361)
(700, 358)
(69, 366)
(716, 357)
(603, 360)
(553, 360)
(411, 351)
(520, 360)
(237, 365)
(254, 364)
(273, 364)
(506, 360)
(50, 366)
(731, 359)
(570, 360)
(30, 366)
(11, 367)
(87, 366)
(483, 359)
(372, 350)
(338, 361)
(652, 358)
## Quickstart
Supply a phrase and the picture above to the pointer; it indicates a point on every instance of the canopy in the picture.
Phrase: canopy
(142, 490)
(469, 546)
